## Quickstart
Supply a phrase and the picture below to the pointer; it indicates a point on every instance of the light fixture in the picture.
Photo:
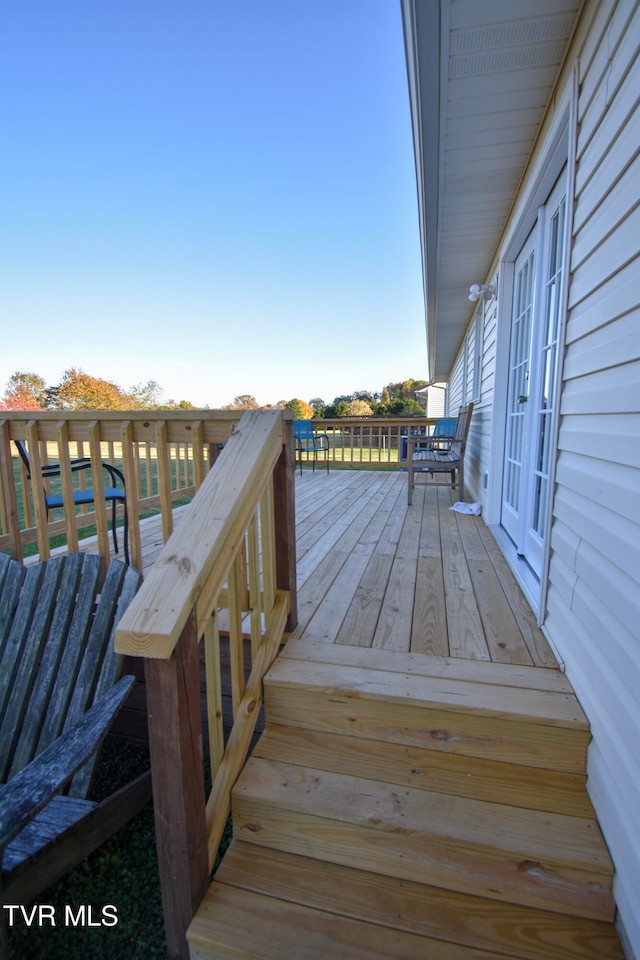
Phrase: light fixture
(484, 291)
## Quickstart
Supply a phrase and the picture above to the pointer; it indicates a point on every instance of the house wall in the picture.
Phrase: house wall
(435, 400)
(592, 610)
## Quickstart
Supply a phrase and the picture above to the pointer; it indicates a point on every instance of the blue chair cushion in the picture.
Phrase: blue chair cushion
(84, 496)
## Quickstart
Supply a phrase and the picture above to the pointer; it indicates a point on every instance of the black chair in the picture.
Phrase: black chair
(112, 494)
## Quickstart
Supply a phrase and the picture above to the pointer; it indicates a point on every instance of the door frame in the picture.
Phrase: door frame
(559, 152)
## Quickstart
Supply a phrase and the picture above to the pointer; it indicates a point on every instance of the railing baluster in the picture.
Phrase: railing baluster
(37, 490)
(10, 516)
(284, 514)
(198, 453)
(97, 479)
(149, 466)
(255, 605)
(236, 651)
(66, 480)
(164, 478)
(268, 546)
(129, 470)
(213, 674)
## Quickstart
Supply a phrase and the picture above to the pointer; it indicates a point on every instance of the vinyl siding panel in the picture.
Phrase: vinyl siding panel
(592, 612)
(461, 377)
(593, 602)
(617, 297)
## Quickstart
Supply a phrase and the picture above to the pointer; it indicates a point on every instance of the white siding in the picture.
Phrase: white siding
(593, 601)
(594, 577)
(461, 390)
(435, 400)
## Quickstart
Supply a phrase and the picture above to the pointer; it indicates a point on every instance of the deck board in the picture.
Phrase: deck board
(434, 581)
(373, 572)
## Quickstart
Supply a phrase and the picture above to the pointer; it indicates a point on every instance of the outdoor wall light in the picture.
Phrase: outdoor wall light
(486, 291)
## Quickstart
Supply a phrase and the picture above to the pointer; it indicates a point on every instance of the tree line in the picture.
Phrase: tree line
(78, 390)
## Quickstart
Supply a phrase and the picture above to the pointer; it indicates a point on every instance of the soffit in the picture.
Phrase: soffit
(476, 113)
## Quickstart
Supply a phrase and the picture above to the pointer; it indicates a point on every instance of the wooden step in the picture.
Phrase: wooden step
(510, 714)
(236, 924)
(477, 926)
(412, 806)
(446, 773)
(550, 861)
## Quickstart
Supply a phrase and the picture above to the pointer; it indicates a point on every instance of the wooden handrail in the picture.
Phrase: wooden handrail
(228, 570)
(193, 565)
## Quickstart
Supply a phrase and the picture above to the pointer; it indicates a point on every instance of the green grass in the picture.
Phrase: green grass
(122, 873)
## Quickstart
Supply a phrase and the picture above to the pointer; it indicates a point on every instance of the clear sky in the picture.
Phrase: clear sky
(218, 195)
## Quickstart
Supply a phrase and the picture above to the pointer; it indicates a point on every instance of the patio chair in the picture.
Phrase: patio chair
(445, 455)
(58, 694)
(112, 494)
(307, 441)
(444, 429)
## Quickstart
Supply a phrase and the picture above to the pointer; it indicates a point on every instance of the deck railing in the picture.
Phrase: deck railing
(228, 569)
(369, 441)
(163, 458)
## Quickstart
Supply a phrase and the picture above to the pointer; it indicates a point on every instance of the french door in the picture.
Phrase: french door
(532, 387)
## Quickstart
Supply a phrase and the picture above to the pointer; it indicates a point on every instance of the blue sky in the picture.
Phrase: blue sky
(217, 196)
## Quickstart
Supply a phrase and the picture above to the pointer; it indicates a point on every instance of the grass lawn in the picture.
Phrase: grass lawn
(123, 873)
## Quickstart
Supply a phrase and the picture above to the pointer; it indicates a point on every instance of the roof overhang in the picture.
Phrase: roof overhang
(480, 74)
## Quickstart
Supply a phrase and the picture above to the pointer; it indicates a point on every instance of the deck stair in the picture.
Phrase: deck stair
(405, 806)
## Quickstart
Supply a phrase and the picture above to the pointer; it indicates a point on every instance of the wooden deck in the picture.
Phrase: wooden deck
(373, 572)
(419, 788)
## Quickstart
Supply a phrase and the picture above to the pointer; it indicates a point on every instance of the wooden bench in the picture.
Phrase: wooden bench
(446, 455)
(59, 691)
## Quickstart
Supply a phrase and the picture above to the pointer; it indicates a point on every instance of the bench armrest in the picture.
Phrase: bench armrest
(30, 790)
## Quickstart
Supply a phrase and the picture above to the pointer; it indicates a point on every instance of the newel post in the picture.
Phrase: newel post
(175, 741)
(284, 504)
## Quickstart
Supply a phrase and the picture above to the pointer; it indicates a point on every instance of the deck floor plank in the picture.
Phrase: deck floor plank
(373, 572)
(466, 634)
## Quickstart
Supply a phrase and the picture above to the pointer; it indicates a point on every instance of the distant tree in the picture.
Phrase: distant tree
(244, 402)
(301, 410)
(366, 395)
(79, 391)
(338, 408)
(405, 389)
(25, 391)
(359, 408)
(144, 396)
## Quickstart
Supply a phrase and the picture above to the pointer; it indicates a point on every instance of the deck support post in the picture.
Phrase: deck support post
(285, 522)
(10, 501)
(175, 742)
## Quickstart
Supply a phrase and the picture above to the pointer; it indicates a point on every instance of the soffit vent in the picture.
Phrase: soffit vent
(515, 34)
(511, 46)
(503, 60)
